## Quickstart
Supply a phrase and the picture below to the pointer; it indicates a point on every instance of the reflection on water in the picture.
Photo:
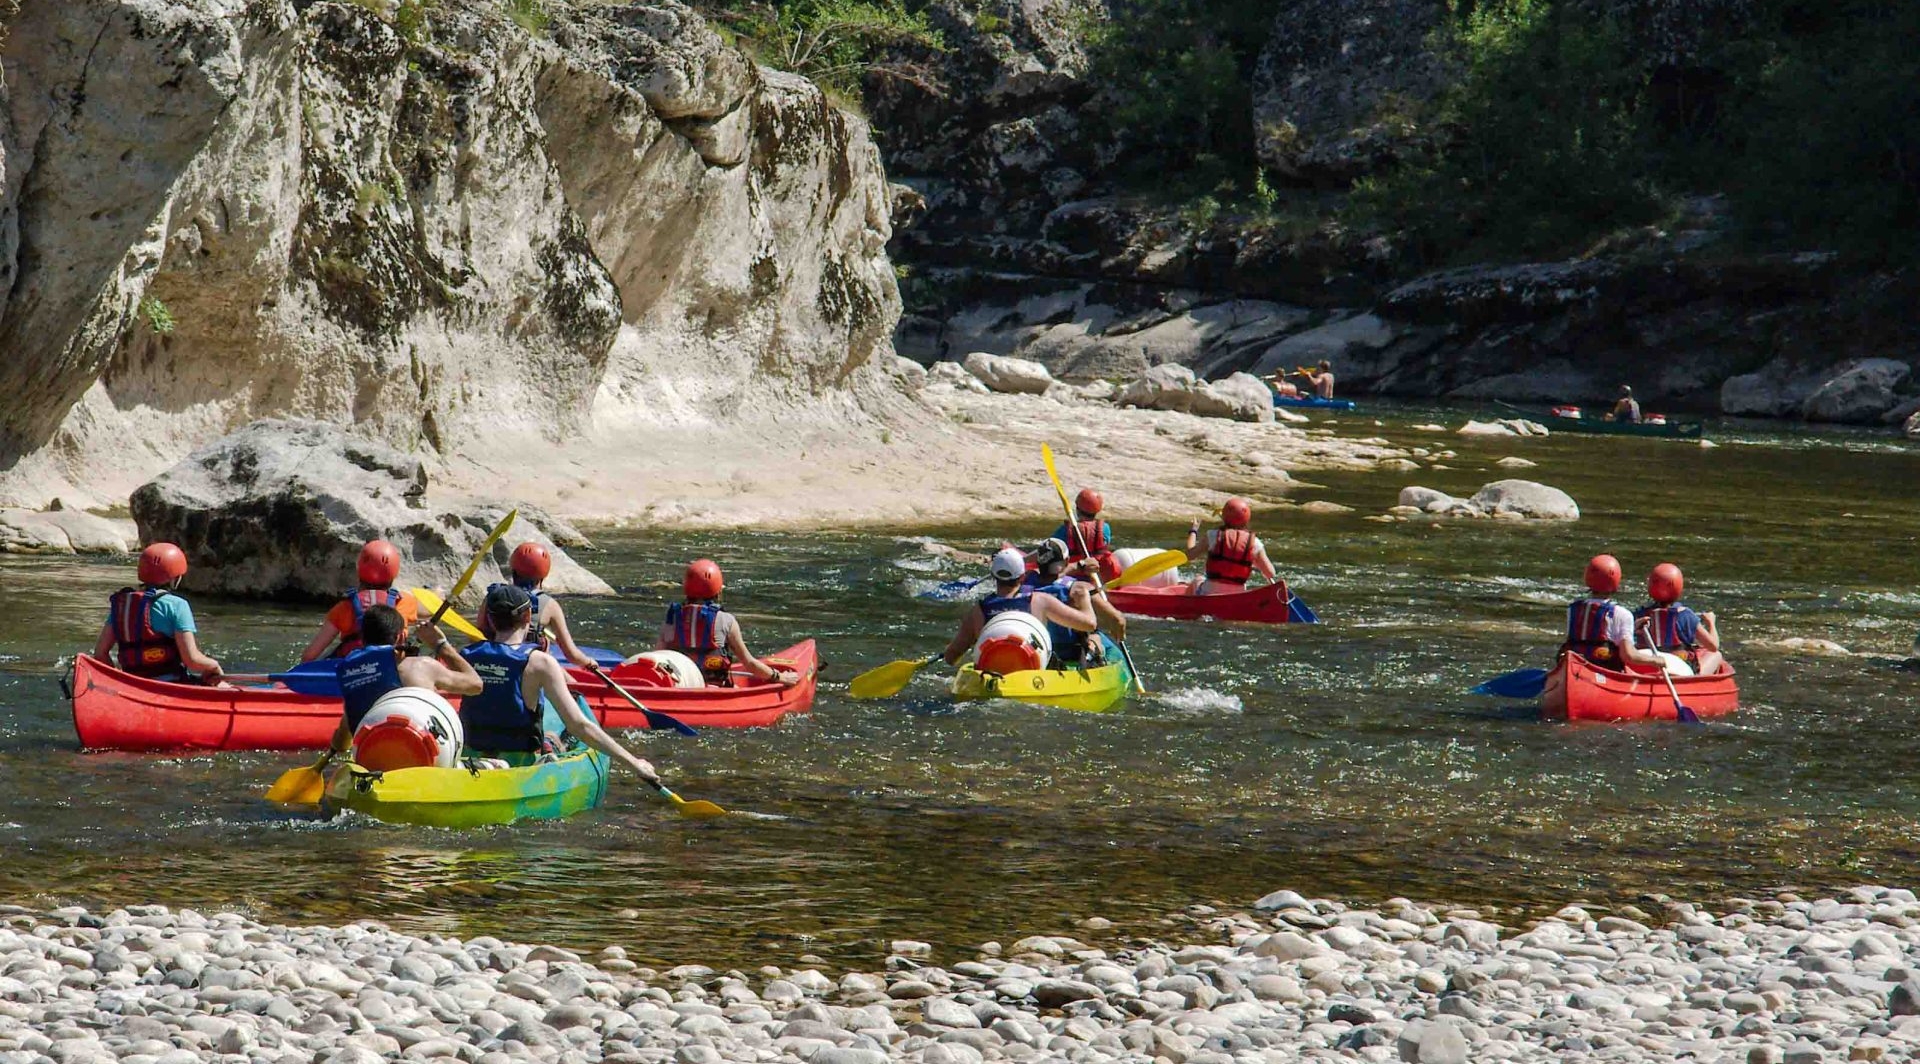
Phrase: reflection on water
(1344, 759)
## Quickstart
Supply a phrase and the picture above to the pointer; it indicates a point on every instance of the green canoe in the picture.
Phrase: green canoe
(1685, 430)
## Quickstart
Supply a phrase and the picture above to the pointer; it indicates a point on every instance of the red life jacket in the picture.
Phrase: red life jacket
(1667, 637)
(1089, 542)
(1230, 559)
(141, 650)
(694, 627)
(359, 599)
(1587, 631)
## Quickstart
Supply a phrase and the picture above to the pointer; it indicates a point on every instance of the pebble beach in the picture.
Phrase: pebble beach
(1778, 980)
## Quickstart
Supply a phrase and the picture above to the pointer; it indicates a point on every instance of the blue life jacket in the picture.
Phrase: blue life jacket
(994, 605)
(498, 719)
(358, 601)
(365, 675)
(1587, 630)
(696, 633)
(1068, 644)
(1676, 628)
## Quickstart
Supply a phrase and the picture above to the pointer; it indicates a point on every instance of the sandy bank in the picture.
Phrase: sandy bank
(957, 456)
(1294, 979)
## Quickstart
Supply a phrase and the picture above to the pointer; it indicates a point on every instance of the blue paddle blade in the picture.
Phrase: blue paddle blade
(1298, 612)
(1687, 715)
(949, 591)
(661, 720)
(1520, 683)
(318, 678)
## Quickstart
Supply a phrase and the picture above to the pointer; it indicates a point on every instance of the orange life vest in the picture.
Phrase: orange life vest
(1230, 558)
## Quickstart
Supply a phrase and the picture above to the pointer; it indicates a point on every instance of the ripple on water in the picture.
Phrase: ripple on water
(1201, 701)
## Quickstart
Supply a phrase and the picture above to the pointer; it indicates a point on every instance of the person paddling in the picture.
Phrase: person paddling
(1009, 568)
(530, 565)
(1049, 577)
(703, 630)
(1320, 379)
(1090, 540)
(1675, 628)
(1626, 408)
(383, 664)
(378, 568)
(505, 716)
(1600, 630)
(151, 628)
(1234, 553)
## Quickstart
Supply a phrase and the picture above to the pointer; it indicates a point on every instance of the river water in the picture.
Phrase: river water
(1344, 760)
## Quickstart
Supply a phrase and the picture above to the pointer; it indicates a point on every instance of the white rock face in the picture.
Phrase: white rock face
(1242, 397)
(1860, 393)
(457, 240)
(285, 506)
(64, 532)
(1165, 387)
(1527, 499)
(1511, 426)
(1003, 373)
(1334, 341)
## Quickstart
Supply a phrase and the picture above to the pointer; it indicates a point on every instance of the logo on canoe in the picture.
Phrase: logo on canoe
(1039, 682)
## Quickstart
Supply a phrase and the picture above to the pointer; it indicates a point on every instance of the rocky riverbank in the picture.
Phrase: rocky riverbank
(1773, 981)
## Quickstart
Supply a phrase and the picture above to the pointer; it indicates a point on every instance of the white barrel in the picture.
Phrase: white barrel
(406, 728)
(1675, 664)
(1127, 556)
(1022, 624)
(675, 668)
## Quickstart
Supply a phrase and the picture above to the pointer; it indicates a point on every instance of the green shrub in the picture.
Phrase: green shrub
(836, 43)
(158, 318)
(531, 15)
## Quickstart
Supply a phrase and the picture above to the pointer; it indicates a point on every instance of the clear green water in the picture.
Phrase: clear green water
(1345, 759)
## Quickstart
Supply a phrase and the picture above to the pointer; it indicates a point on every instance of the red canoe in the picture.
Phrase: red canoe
(1261, 605)
(1577, 689)
(115, 711)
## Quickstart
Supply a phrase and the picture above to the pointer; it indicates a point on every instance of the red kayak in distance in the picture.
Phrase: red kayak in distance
(113, 710)
(1577, 689)
(1269, 604)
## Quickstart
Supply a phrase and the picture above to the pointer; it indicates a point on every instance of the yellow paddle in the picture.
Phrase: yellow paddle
(889, 679)
(305, 786)
(454, 621)
(1073, 527)
(1147, 568)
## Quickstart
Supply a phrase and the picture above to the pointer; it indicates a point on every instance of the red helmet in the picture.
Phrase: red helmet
(1665, 583)
(379, 563)
(1089, 501)
(162, 563)
(703, 580)
(531, 562)
(1603, 574)
(1237, 513)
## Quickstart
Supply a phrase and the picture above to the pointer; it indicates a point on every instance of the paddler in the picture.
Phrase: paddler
(1009, 568)
(1674, 627)
(1090, 540)
(1234, 553)
(377, 569)
(151, 626)
(1600, 630)
(530, 565)
(1049, 577)
(1626, 408)
(384, 663)
(1320, 379)
(505, 716)
(704, 631)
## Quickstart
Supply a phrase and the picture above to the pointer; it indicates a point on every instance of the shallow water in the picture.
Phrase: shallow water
(1344, 759)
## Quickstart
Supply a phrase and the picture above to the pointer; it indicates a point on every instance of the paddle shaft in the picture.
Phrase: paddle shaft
(474, 565)
(652, 714)
(1073, 529)
(1680, 711)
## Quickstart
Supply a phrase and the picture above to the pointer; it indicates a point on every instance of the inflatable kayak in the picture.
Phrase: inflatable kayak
(749, 703)
(113, 710)
(1312, 402)
(1087, 690)
(116, 711)
(464, 797)
(1655, 425)
(1271, 603)
(1577, 689)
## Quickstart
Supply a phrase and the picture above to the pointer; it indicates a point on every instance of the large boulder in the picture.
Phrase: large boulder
(1004, 373)
(1912, 428)
(1166, 387)
(1527, 499)
(283, 507)
(1859, 394)
(64, 532)
(1242, 397)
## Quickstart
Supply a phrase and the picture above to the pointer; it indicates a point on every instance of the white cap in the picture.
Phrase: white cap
(1009, 564)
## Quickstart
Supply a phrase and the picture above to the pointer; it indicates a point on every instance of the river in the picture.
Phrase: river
(1344, 760)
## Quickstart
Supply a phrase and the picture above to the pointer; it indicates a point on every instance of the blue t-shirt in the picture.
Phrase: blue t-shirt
(171, 616)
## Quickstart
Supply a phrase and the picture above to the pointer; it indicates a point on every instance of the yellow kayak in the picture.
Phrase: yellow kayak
(1086, 690)
(469, 797)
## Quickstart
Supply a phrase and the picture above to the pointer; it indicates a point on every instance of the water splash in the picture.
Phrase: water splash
(1202, 701)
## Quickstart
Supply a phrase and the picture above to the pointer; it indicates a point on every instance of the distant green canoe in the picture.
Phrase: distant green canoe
(1683, 430)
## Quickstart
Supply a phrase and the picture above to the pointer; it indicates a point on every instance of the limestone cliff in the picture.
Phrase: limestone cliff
(452, 231)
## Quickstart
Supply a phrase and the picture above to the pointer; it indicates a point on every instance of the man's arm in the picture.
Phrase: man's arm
(737, 647)
(190, 656)
(1111, 620)
(1630, 648)
(1263, 564)
(562, 636)
(546, 677)
(963, 639)
(103, 645)
(446, 671)
(322, 641)
(1052, 609)
(1708, 635)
